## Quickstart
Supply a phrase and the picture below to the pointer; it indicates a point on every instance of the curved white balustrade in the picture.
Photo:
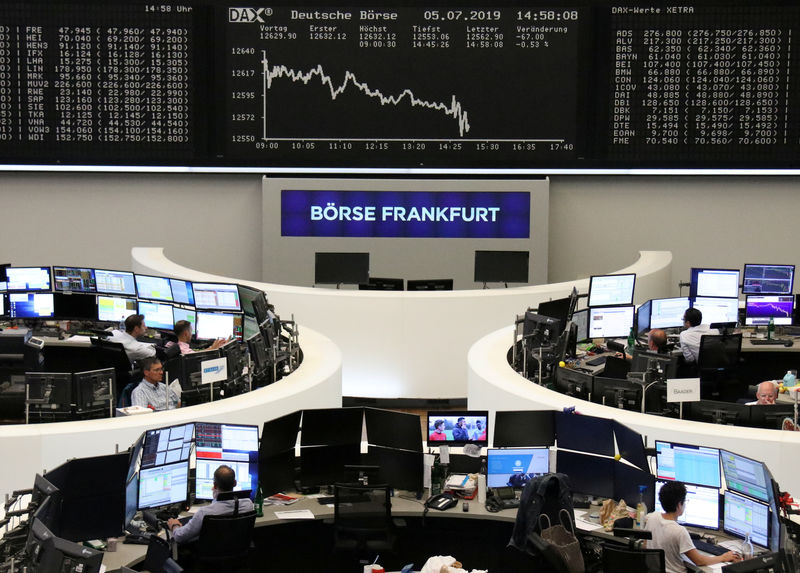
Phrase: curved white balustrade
(27, 450)
(493, 383)
(410, 344)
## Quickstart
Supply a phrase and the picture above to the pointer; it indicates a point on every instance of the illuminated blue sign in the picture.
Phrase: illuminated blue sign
(441, 214)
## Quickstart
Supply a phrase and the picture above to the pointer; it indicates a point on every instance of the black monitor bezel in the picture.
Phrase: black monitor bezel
(487, 258)
(591, 282)
(360, 259)
(744, 278)
(637, 322)
(693, 282)
(85, 298)
(429, 285)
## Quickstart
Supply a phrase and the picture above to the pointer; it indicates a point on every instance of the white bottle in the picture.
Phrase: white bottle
(641, 509)
(747, 548)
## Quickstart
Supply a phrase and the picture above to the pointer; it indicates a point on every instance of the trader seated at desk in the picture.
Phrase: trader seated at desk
(183, 331)
(656, 342)
(150, 393)
(766, 394)
(672, 537)
(134, 328)
(690, 338)
(224, 482)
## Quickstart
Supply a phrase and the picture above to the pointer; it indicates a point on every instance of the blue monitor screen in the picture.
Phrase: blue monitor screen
(760, 308)
(182, 292)
(115, 282)
(30, 305)
(153, 288)
(768, 279)
(515, 467)
(608, 290)
(691, 464)
(717, 309)
(157, 315)
(668, 312)
(226, 444)
(183, 314)
(28, 278)
(163, 485)
(742, 515)
(744, 475)
(74, 279)
(610, 321)
(701, 508)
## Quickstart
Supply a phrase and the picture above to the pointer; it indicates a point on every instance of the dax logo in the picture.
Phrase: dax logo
(248, 15)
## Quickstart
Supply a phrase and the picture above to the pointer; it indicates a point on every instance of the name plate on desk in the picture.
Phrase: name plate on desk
(213, 370)
(683, 390)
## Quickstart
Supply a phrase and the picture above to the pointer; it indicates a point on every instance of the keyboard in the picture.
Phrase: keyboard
(329, 499)
(597, 361)
(773, 342)
(709, 548)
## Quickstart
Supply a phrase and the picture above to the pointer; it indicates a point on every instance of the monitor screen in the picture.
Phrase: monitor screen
(643, 318)
(558, 308)
(501, 266)
(717, 309)
(690, 464)
(247, 295)
(458, 428)
(610, 321)
(584, 433)
(744, 475)
(590, 475)
(157, 315)
(182, 292)
(185, 314)
(573, 382)
(668, 312)
(115, 282)
(153, 288)
(74, 306)
(332, 426)
(760, 308)
(429, 284)
(630, 445)
(742, 515)
(28, 278)
(701, 508)
(250, 327)
(581, 320)
(213, 325)
(628, 481)
(609, 290)
(390, 429)
(768, 279)
(216, 296)
(74, 279)
(163, 485)
(226, 444)
(714, 283)
(167, 445)
(515, 467)
(524, 428)
(114, 308)
(2, 304)
(341, 268)
(30, 305)
(400, 469)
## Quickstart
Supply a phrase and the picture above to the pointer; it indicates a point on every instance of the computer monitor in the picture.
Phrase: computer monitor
(742, 516)
(574, 382)
(94, 389)
(114, 308)
(611, 290)
(646, 361)
(332, 426)
(50, 553)
(627, 483)
(49, 392)
(543, 329)
(590, 475)
(643, 318)
(768, 279)
(189, 316)
(617, 393)
(261, 307)
(163, 485)
(280, 434)
(515, 467)
(456, 428)
(630, 446)
(610, 321)
(153, 288)
(3, 304)
(30, 305)
(232, 445)
(717, 412)
(714, 283)
(429, 284)
(382, 283)
(182, 292)
(760, 308)
(391, 429)
(28, 279)
(247, 297)
(258, 353)
(74, 279)
(216, 296)
(501, 266)
(584, 434)
(770, 417)
(701, 508)
(115, 282)
(168, 445)
(74, 306)
(325, 465)
(157, 315)
(690, 464)
(558, 308)
(524, 428)
(745, 476)
(399, 469)
(341, 268)
(213, 325)
(668, 312)
(189, 369)
(249, 327)
(717, 309)
(581, 320)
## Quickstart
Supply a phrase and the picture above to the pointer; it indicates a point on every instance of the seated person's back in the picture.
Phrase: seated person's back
(134, 328)
(690, 338)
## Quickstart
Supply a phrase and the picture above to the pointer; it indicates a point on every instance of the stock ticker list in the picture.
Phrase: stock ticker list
(401, 86)
(86, 81)
(713, 85)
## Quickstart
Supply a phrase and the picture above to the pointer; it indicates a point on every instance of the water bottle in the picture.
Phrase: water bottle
(789, 380)
(747, 548)
(259, 503)
(641, 509)
(770, 328)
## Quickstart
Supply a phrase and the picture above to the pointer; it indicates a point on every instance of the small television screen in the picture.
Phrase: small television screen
(714, 283)
(501, 266)
(759, 308)
(768, 279)
(232, 445)
(668, 312)
(213, 325)
(153, 288)
(742, 516)
(341, 268)
(74, 306)
(115, 282)
(610, 290)
(182, 292)
(610, 321)
(216, 296)
(28, 278)
(74, 279)
(690, 464)
(515, 467)
(157, 315)
(717, 309)
(701, 508)
(30, 305)
(458, 428)
(114, 308)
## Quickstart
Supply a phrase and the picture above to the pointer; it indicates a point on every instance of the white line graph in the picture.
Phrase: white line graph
(453, 109)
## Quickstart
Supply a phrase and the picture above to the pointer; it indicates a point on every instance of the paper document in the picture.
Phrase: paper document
(175, 386)
(296, 514)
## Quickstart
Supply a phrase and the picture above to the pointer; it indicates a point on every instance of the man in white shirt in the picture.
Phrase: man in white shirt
(134, 328)
(690, 338)
(672, 537)
(151, 393)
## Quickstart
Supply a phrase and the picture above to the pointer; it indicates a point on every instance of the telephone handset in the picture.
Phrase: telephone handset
(442, 501)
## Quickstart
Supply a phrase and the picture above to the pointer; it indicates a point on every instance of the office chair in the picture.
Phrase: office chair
(718, 362)
(616, 368)
(362, 520)
(621, 558)
(112, 355)
(225, 541)
(159, 557)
